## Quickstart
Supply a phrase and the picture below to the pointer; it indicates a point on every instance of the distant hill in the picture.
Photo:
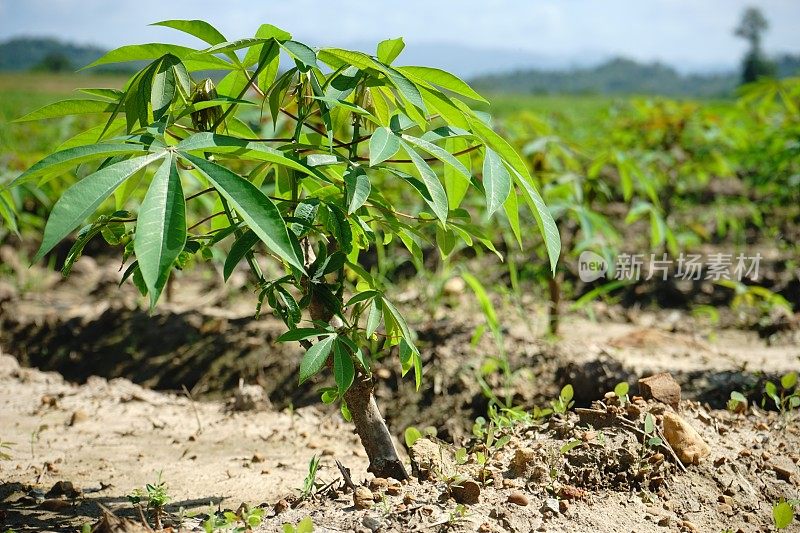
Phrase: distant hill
(624, 76)
(617, 76)
(26, 53)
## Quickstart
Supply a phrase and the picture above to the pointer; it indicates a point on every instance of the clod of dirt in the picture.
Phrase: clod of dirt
(54, 504)
(379, 484)
(684, 439)
(63, 489)
(363, 498)
(784, 468)
(467, 492)
(522, 462)
(662, 388)
(518, 498)
(454, 286)
(429, 456)
(250, 398)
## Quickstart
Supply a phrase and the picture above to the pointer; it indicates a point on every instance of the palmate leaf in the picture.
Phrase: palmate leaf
(161, 228)
(83, 198)
(239, 249)
(255, 208)
(223, 144)
(343, 369)
(357, 187)
(517, 167)
(389, 49)
(71, 157)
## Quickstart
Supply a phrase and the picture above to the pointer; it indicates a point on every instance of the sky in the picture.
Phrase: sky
(692, 35)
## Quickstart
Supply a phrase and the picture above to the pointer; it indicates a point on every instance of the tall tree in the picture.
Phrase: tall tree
(751, 28)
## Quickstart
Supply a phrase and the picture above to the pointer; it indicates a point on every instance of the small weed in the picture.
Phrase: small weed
(306, 525)
(5, 447)
(242, 521)
(564, 401)
(621, 392)
(787, 398)
(737, 402)
(155, 496)
(310, 481)
(783, 513)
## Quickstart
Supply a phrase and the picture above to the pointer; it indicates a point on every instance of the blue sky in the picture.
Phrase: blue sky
(690, 34)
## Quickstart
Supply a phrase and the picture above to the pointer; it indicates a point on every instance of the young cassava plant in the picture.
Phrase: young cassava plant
(362, 136)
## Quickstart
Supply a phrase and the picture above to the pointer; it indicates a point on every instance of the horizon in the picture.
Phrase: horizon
(472, 40)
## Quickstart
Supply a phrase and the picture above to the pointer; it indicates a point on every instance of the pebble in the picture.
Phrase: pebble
(563, 506)
(379, 484)
(684, 439)
(362, 498)
(689, 526)
(550, 505)
(518, 498)
(78, 417)
(522, 460)
(371, 523)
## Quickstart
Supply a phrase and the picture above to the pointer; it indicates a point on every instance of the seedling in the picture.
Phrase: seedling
(242, 521)
(5, 447)
(787, 398)
(621, 392)
(306, 525)
(564, 401)
(783, 513)
(156, 497)
(310, 481)
(359, 140)
(737, 402)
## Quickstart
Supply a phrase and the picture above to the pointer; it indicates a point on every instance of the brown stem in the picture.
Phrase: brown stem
(372, 430)
(554, 311)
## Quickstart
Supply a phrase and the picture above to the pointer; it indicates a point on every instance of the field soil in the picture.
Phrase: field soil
(97, 393)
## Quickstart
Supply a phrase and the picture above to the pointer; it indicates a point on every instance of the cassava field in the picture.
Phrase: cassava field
(647, 383)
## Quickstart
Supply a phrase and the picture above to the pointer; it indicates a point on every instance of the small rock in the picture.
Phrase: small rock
(379, 484)
(522, 461)
(662, 388)
(724, 508)
(719, 461)
(429, 456)
(78, 417)
(664, 521)
(563, 506)
(687, 443)
(784, 468)
(363, 498)
(518, 498)
(467, 492)
(371, 523)
(551, 506)
(258, 458)
(568, 492)
(65, 489)
(725, 499)
(688, 526)
(394, 488)
(250, 398)
(454, 286)
(281, 506)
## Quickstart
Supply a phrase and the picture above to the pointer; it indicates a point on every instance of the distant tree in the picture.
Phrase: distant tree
(751, 28)
(54, 62)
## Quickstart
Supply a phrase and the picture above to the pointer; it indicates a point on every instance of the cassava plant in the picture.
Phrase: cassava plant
(356, 167)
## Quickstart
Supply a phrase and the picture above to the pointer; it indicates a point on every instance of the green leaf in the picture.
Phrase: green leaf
(163, 87)
(443, 79)
(60, 161)
(301, 53)
(193, 59)
(438, 197)
(411, 435)
(197, 28)
(240, 247)
(789, 380)
(389, 49)
(621, 389)
(300, 334)
(373, 317)
(315, 357)
(257, 210)
(439, 153)
(496, 181)
(65, 108)
(511, 208)
(358, 188)
(83, 198)
(782, 514)
(223, 144)
(382, 145)
(455, 183)
(343, 369)
(160, 228)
